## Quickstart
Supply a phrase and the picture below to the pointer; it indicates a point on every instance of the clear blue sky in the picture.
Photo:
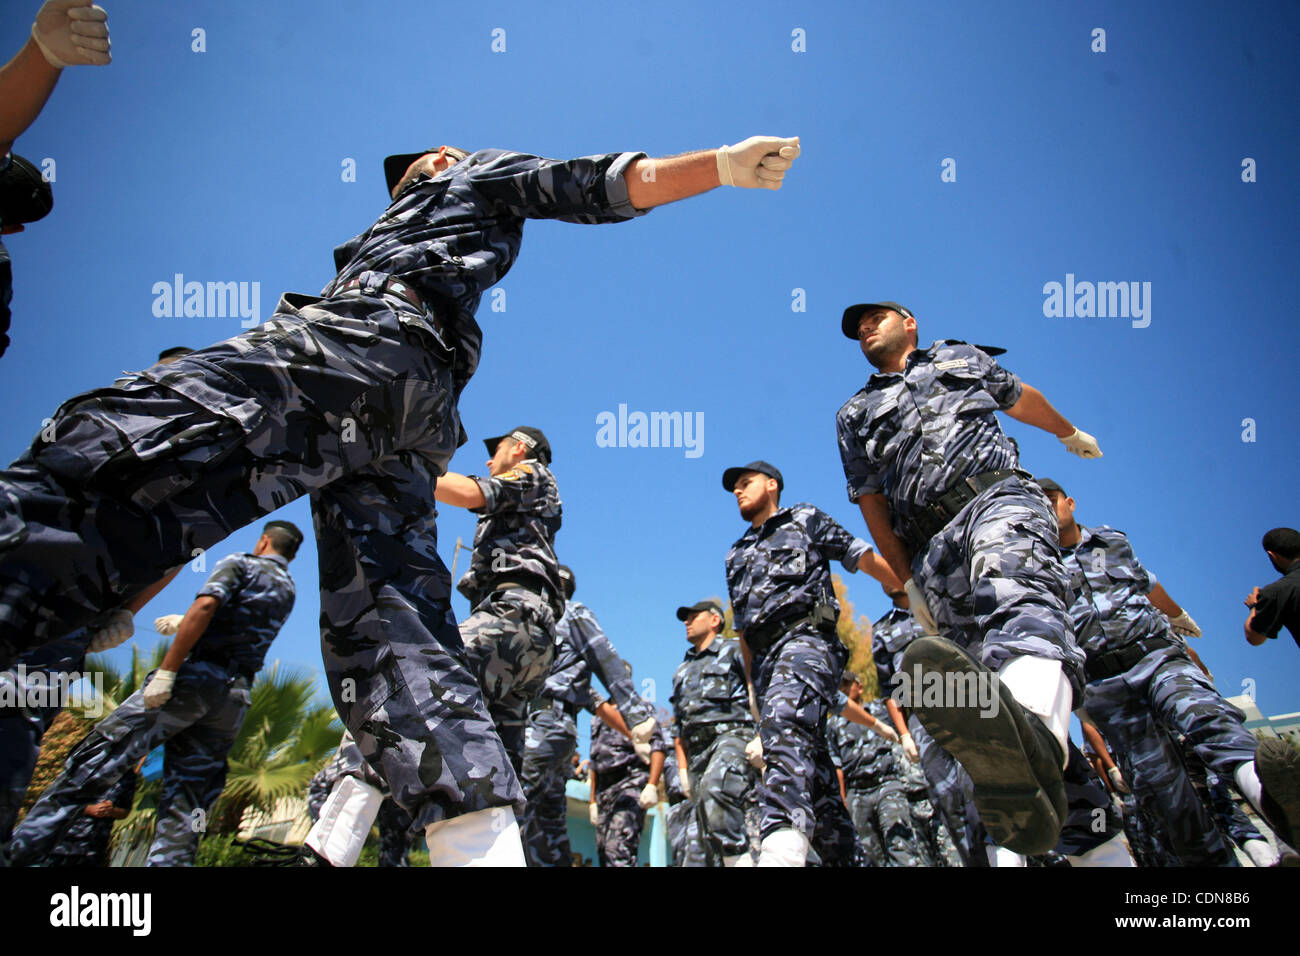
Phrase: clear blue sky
(1117, 166)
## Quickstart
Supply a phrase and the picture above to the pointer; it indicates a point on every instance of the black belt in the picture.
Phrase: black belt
(528, 582)
(761, 636)
(699, 737)
(1110, 663)
(397, 289)
(550, 703)
(934, 517)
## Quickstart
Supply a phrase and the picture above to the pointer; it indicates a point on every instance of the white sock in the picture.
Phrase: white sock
(482, 838)
(783, 848)
(1248, 784)
(1041, 688)
(739, 860)
(345, 821)
(1001, 856)
(1260, 853)
(1114, 852)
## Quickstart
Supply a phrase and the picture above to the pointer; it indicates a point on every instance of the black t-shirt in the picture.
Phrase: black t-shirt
(1279, 606)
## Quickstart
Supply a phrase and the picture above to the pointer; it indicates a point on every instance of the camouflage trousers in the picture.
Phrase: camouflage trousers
(994, 581)
(1145, 830)
(934, 844)
(347, 399)
(882, 818)
(1132, 709)
(953, 794)
(1214, 793)
(795, 681)
(620, 817)
(1091, 819)
(510, 643)
(23, 719)
(197, 727)
(394, 835)
(683, 825)
(549, 743)
(724, 785)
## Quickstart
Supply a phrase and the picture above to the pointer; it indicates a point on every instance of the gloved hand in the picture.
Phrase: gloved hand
(593, 814)
(920, 610)
(168, 624)
(686, 783)
(1081, 444)
(883, 729)
(754, 754)
(643, 731)
(159, 689)
(1117, 780)
(1184, 625)
(910, 749)
(759, 162)
(72, 33)
(109, 630)
(642, 752)
(649, 796)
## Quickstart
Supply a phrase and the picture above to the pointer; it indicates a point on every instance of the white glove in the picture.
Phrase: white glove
(643, 731)
(1081, 444)
(882, 729)
(1184, 625)
(72, 33)
(642, 752)
(910, 749)
(920, 610)
(1117, 780)
(649, 796)
(685, 779)
(754, 754)
(110, 630)
(759, 162)
(593, 814)
(168, 624)
(159, 690)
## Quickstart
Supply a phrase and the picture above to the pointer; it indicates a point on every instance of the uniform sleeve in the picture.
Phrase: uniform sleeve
(833, 747)
(862, 476)
(740, 695)
(590, 189)
(523, 488)
(226, 580)
(884, 662)
(1004, 386)
(833, 541)
(675, 702)
(1144, 580)
(661, 741)
(1271, 610)
(599, 653)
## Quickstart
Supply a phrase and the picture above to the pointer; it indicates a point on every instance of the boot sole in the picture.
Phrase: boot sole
(1278, 765)
(1019, 790)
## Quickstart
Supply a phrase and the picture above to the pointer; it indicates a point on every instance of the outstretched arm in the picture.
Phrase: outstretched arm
(759, 162)
(1033, 409)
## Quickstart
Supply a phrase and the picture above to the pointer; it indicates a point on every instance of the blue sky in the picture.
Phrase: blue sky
(227, 165)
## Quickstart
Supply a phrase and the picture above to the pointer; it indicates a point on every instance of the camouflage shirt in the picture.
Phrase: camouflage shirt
(515, 535)
(581, 650)
(709, 688)
(610, 750)
(889, 639)
(866, 758)
(913, 435)
(1110, 588)
(454, 236)
(256, 595)
(782, 567)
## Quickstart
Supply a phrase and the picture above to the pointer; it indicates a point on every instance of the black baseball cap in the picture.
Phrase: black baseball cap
(568, 580)
(25, 196)
(177, 351)
(532, 437)
(1047, 484)
(732, 475)
(711, 606)
(849, 323)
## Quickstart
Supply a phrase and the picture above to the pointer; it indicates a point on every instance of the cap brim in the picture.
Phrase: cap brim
(731, 476)
(849, 322)
(491, 443)
(395, 166)
(683, 613)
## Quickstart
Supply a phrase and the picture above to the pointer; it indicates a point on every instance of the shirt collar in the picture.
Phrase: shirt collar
(279, 559)
(715, 645)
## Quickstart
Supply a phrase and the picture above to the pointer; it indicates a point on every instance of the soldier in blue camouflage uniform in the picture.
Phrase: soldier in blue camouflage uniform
(621, 789)
(513, 584)
(194, 704)
(939, 485)
(871, 784)
(1141, 681)
(779, 578)
(350, 397)
(712, 726)
(581, 651)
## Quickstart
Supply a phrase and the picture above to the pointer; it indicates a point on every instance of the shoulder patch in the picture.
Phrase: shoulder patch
(515, 473)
